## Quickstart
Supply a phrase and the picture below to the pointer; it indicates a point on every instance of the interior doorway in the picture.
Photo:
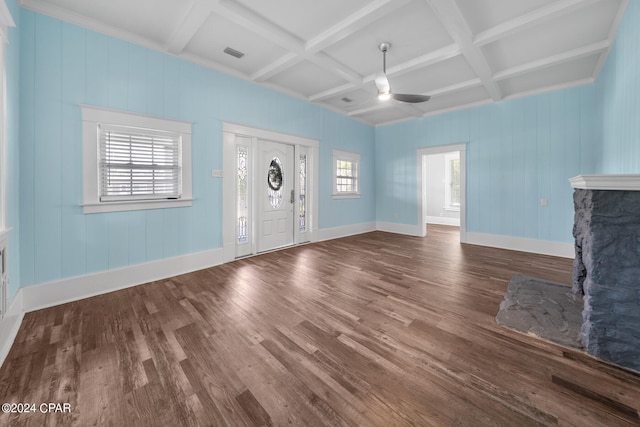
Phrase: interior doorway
(269, 191)
(453, 193)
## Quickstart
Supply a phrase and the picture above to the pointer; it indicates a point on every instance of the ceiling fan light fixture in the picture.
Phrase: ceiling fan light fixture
(384, 96)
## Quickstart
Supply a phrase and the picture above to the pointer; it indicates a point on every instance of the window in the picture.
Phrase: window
(346, 174)
(452, 181)
(134, 162)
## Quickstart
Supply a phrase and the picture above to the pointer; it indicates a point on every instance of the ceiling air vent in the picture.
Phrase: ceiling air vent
(233, 52)
(347, 100)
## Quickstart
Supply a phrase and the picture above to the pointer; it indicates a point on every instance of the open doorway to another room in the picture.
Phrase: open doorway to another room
(442, 192)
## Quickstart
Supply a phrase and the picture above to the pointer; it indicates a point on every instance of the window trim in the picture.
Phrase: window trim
(448, 159)
(94, 116)
(349, 157)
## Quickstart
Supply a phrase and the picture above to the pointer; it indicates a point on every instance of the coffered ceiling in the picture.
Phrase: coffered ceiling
(463, 53)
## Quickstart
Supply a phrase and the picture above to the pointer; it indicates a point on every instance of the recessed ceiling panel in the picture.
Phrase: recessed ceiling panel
(452, 100)
(413, 30)
(484, 14)
(383, 115)
(439, 75)
(559, 75)
(151, 19)
(567, 32)
(352, 100)
(306, 78)
(304, 19)
(217, 33)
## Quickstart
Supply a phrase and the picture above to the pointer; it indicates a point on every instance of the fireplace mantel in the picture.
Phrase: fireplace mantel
(606, 182)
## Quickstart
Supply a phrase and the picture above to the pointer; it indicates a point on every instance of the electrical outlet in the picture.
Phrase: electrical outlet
(544, 202)
(216, 173)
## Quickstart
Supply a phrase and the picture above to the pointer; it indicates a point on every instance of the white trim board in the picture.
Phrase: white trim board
(626, 182)
(62, 291)
(442, 220)
(345, 231)
(392, 227)
(522, 244)
(10, 325)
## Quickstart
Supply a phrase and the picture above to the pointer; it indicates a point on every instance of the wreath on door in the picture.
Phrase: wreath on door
(274, 176)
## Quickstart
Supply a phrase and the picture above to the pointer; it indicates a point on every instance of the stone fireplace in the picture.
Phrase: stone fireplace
(607, 265)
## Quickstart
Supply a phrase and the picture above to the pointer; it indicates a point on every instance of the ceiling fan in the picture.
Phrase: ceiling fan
(382, 83)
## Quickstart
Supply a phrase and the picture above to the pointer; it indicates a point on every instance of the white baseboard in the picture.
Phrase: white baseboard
(523, 244)
(443, 220)
(70, 289)
(391, 227)
(345, 231)
(10, 325)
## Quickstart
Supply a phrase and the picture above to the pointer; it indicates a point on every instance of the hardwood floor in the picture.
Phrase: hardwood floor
(371, 330)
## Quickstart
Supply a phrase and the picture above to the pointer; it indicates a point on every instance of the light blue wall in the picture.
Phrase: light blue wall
(518, 152)
(64, 66)
(619, 91)
(13, 155)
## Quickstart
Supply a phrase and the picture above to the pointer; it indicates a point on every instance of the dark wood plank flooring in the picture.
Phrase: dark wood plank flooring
(371, 330)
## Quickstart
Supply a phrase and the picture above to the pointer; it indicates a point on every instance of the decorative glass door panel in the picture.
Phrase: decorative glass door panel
(275, 192)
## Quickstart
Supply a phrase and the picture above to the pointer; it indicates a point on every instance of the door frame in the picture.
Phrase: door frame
(422, 153)
(301, 144)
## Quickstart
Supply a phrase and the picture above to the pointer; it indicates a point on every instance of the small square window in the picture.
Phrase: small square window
(346, 174)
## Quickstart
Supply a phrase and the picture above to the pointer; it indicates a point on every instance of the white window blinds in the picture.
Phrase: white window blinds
(138, 164)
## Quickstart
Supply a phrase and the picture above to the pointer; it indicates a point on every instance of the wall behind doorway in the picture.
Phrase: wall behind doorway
(437, 213)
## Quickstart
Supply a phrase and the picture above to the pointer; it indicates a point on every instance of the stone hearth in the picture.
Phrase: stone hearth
(607, 265)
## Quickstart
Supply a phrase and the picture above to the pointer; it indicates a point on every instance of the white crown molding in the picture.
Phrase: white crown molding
(626, 182)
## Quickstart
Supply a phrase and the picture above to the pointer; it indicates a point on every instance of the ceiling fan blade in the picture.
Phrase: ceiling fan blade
(412, 99)
(382, 83)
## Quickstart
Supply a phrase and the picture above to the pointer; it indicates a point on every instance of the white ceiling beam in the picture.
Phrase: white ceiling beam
(246, 18)
(426, 60)
(422, 61)
(329, 64)
(457, 87)
(592, 49)
(373, 107)
(458, 107)
(189, 26)
(530, 19)
(333, 92)
(276, 67)
(459, 30)
(372, 12)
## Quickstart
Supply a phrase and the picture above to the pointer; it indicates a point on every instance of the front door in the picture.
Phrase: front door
(274, 187)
